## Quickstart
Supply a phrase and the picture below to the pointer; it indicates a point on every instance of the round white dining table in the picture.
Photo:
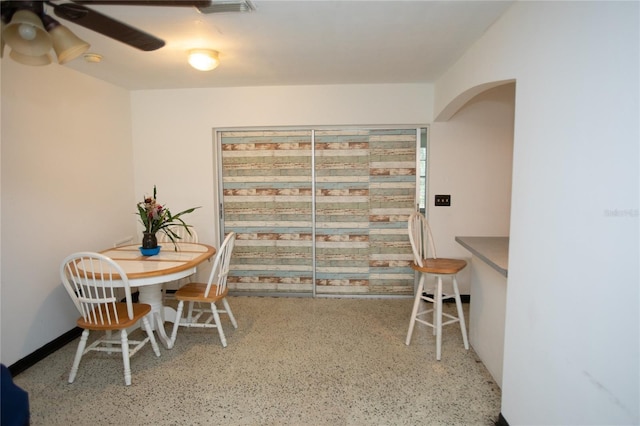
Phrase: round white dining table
(148, 273)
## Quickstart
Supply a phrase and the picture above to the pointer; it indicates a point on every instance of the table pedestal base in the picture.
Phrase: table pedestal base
(152, 295)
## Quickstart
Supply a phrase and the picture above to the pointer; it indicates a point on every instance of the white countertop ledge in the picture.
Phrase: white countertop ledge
(492, 250)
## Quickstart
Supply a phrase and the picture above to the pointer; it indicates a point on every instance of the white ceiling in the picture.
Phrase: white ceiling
(291, 43)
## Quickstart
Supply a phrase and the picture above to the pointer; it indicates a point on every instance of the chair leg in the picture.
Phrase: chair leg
(414, 312)
(176, 324)
(438, 309)
(76, 361)
(216, 317)
(152, 339)
(463, 326)
(190, 313)
(228, 309)
(125, 356)
(108, 337)
(435, 309)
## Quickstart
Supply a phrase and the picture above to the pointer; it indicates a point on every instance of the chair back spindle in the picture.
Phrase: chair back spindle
(421, 238)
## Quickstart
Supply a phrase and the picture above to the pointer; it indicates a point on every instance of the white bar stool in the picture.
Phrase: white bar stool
(421, 240)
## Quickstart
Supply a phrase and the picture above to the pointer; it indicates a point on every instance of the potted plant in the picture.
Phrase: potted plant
(155, 218)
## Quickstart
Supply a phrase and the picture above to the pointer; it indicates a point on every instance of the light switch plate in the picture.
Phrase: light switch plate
(443, 200)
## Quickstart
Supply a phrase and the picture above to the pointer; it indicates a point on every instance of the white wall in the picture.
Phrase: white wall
(471, 157)
(572, 325)
(67, 176)
(173, 130)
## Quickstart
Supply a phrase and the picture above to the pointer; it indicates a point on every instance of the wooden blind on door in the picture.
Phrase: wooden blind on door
(267, 202)
(365, 189)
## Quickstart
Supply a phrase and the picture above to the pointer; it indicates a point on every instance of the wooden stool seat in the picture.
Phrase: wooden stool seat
(440, 266)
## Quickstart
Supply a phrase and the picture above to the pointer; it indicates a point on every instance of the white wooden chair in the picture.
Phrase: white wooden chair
(422, 244)
(91, 279)
(214, 291)
(184, 237)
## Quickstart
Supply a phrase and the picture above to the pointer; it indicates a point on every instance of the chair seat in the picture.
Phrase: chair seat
(118, 321)
(194, 292)
(440, 266)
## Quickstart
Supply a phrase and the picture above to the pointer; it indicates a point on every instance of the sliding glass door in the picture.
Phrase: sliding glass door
(319, 211)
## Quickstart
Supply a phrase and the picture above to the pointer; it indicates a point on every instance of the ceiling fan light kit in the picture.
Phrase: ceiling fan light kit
(31, 33)
(25, 34)
(66, 44)
(203, 59)
(30, 60)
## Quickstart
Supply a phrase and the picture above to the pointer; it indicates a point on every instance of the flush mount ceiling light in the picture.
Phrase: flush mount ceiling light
(203, 59)
(31, 34)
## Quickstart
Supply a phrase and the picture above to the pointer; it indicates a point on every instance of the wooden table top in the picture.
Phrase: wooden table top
(167, 262)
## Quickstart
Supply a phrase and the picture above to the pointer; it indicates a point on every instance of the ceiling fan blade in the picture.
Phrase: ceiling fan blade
(107, 26)
(173, 3)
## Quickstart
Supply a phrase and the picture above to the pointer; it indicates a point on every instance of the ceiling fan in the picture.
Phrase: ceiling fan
(31, 32)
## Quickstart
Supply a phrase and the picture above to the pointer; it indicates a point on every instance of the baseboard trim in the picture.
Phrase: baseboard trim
(501, 421)
(46, 350)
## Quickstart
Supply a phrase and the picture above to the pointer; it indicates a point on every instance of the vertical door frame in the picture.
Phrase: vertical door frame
(313, 213)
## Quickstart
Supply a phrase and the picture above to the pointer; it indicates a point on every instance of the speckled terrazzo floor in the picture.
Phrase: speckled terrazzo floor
(292, 361)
